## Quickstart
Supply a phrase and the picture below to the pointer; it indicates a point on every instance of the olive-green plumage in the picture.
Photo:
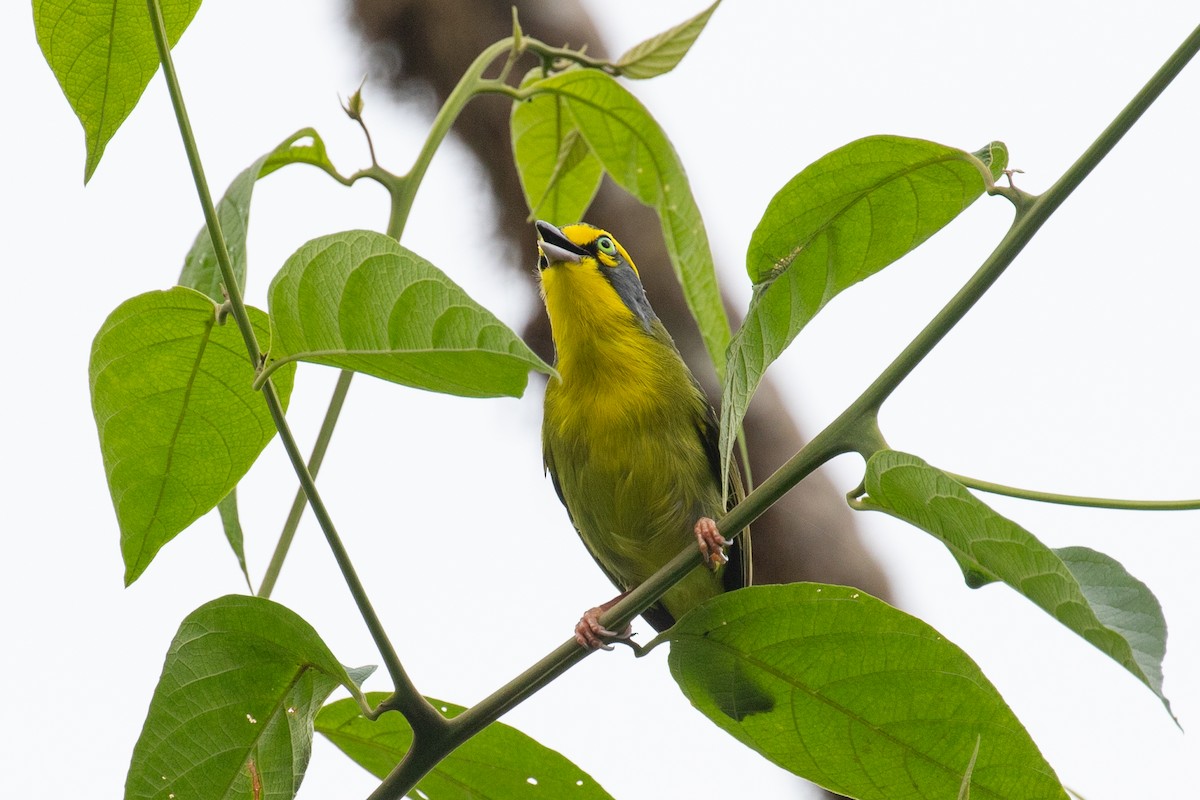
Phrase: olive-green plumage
(628, 436)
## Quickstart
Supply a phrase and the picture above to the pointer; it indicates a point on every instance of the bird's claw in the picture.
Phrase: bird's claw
(591, 635)
(712, 544)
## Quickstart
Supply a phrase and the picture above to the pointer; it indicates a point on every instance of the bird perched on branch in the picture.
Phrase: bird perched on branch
(628, 437)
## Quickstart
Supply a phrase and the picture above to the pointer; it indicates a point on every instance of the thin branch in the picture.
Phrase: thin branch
(324, 435)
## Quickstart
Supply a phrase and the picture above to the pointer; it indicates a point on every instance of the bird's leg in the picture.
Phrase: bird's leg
(712, 543)
(591, 634)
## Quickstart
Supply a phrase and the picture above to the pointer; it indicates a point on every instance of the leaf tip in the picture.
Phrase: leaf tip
(133, 572)
(93, 161)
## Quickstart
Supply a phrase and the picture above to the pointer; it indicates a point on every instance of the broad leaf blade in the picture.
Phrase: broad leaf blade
(103, 54)
(637, 155)
(840, 220)
(861, 207)
(358, 300)
(558, 172)
(990, 547)
(850, 693)
(499, 763)
(662, 53)
(178, 419)
(232, 715)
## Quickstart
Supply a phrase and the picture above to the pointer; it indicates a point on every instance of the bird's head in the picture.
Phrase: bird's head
(588, 277)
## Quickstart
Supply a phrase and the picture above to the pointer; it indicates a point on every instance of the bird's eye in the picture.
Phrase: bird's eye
(605, 245)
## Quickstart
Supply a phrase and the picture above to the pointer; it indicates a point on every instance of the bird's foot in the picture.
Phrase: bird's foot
(591, 635)
(712, 543)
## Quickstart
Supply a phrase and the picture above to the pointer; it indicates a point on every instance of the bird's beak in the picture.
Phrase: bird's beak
(556, 247)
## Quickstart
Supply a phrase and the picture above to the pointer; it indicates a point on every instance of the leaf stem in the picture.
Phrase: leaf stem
(402, 200)
(550, 55)
(415, 707)
(232, 291)
(324, 435)
(1076, 500)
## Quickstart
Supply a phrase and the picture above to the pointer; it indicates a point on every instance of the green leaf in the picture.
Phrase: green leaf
(840, 220)
(1123, 604)
(359, 300)
(103, 54)
(200, 268)
(178, 419)
(305, 146)
(660, 54)
(854, 695)
(1093, 595)
(637, 155)
(499, 763)
(232, 524)
(558, 172)
(861, 207)
(232, 715)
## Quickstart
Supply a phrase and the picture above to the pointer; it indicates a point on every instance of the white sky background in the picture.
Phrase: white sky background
(1076, 373)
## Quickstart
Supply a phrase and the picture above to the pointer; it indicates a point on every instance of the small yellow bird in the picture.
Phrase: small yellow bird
(628, 437)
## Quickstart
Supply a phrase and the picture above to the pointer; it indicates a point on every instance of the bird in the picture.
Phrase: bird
(629, 438)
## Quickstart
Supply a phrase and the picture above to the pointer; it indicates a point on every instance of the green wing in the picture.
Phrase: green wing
(655, 615)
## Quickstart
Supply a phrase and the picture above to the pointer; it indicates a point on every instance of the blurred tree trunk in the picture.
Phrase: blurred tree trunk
(426, 45)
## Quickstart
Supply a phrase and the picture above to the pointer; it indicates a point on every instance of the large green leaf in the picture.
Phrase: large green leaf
(103, 54)
(660, 54)
(1087, 591)
(499, 763)
(636, 153)
(359, 300)
(232, 715)
(840, 220)
(852, 694)
(178, 419)
(559, 174)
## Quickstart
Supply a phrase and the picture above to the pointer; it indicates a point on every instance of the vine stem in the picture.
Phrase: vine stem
(324, 435)
(467, 88)
(1074, 499)
(854, 430)
(419, 712)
